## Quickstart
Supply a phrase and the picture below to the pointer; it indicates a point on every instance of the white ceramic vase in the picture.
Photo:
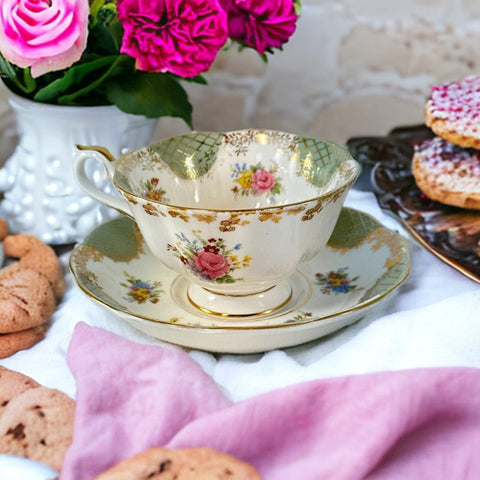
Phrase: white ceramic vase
(40, 194)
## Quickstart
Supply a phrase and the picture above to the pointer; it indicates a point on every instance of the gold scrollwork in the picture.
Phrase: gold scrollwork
(201, 217)
(321, 202)
(274, 216)
(131, 199)
(311, 212)
(234, 221)
(381, 237)
(83, 255)
(150, 209)
(294, 210)
(176, 212)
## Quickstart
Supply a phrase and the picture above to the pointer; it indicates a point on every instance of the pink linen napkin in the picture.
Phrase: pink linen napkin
(422, 423)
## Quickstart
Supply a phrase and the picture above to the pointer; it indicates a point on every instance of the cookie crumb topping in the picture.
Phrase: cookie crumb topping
(459, 103)
(449, 165)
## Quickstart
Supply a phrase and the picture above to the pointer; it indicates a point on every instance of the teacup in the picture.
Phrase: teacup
(235, 213)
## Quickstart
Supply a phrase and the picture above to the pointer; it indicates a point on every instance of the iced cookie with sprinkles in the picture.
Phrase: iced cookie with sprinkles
(447, 173)
(453, 112)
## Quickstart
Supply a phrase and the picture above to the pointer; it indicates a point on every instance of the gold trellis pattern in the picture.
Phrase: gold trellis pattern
(189, 156)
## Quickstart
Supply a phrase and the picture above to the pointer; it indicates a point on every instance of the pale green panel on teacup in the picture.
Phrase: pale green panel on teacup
(123, 241)
(319, 159)
(190, 156)
(123, 181)
(351, 229)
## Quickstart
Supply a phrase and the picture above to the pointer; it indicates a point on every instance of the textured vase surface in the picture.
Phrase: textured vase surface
(40, 194)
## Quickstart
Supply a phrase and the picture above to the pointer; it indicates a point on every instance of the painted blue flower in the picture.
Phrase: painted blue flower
(336, 281)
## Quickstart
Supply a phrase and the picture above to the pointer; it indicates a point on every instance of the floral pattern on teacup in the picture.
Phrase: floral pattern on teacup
(141, 291)
(336, 281)
(152, 191)
(301, 317)
(255, 180)
(209, 259)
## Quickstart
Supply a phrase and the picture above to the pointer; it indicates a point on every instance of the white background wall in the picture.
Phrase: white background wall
(354, 67)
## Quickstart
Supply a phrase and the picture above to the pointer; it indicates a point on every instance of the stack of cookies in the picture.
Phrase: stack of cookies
(30, 289)
(447, 167)
(35, 422)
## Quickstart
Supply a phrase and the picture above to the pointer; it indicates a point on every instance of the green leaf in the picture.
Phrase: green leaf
(72, 78)
(6, 68)
(29, 81)
(298, 7)
(101, 40)
(119, 68)
(200, 79)
(116, 31)
(18, 80)
(150, 94)
(95, 6)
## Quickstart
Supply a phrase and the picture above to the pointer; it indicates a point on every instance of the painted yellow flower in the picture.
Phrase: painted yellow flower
(240, 263)
(234, 261)
(141, 294)
(245, 179)
(335, 279)
(246, 260)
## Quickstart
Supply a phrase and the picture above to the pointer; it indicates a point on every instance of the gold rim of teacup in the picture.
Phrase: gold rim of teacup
(351, 175)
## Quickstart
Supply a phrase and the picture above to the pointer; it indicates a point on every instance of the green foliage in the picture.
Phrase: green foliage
(151, 95)
(104, 76)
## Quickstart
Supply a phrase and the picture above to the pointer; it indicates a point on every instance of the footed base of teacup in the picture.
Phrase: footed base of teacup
(260, 303)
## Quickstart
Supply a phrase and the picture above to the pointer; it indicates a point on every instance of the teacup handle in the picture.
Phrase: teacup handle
(104, 156)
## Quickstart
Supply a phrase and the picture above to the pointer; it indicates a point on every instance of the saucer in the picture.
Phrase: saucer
(362, 265)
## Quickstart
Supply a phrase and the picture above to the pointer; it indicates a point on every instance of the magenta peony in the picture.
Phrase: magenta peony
(212, 265)
(260, 24)
(177, 36)
(46, 35)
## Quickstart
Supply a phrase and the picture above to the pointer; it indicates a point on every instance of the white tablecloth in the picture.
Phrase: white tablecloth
(434, 320)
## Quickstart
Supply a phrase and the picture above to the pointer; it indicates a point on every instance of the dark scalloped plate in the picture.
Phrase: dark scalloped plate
(452, 234)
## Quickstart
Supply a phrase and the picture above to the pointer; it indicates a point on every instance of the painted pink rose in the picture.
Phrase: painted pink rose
(46, 35)
(263, 181)
(212, 265)
(261, 24)
(177, 36)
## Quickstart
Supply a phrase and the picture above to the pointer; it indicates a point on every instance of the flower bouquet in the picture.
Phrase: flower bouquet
(134, 54)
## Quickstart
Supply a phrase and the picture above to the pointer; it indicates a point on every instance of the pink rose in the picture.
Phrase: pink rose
(263, 181)
(261, 24)
(212, 265)
(46, 35)
(178, 36)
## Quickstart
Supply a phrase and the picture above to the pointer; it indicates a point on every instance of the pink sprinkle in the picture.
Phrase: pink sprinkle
(459, 103)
